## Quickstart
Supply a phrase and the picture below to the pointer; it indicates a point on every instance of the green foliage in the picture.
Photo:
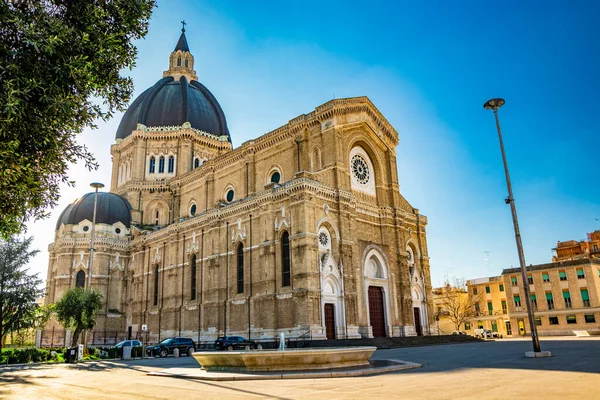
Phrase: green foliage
(24, 356)
(60, 64)
(77, 310)
(18, 289)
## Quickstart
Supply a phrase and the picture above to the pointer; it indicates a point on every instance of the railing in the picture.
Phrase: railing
(303, 339)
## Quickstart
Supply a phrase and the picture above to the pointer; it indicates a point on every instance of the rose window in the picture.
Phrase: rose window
(323, 239)
(360, 169)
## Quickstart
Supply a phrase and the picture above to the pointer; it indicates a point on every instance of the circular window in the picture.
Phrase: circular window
(275, 177)
(360, 169)
(229, 195)
(193, 209)
(323, 239)
(86, 228)
(118, 230)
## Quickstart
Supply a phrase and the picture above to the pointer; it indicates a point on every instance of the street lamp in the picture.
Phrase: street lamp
(95, 185)
(495, 104)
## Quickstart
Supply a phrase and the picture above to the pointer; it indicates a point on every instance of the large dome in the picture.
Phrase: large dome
(110, 209)
(172, 102)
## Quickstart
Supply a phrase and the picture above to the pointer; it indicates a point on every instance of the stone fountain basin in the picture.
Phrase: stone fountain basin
(287, 360)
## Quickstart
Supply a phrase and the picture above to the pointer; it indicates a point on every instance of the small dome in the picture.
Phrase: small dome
(173, 102)
(110, 209)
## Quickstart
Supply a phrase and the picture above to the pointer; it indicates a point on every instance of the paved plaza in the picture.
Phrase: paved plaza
(483, 370)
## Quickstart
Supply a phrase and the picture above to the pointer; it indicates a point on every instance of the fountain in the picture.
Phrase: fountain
(284, 359)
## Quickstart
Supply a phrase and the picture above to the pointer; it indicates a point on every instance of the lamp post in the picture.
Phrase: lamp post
(95, 185)
(495, 104)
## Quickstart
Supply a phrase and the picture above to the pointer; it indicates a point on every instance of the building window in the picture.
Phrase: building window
(156, 218)
(494, 326)
(487, 289)
(562, 275)
(567, 297)
(508, 328)
(152, 165)
(501, 287)
(193, 278)
(285, 259)
(517, 300)
(589, 318)
(571, 319)
(229, 196)
(474, 290)
(595, 248)
(546, 277)
(538, 321)
(580, 274)
(504, 309)
(186, 62)
(585, 297)
(490, 308)
(156, 285)
(553, 320)
(468, 325)
(514, 281)
(477, 309)
(550, 301)
(193, 210)
(240, 268)
(171, 164)
(275, 177)
(161, 165)
(80, 279)
(530, 279)
(533, 301)
(196, 162)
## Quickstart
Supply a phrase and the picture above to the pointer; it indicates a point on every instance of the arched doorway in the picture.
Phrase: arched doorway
(377, 293)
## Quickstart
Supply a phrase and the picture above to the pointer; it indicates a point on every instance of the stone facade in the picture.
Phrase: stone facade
(302, 230)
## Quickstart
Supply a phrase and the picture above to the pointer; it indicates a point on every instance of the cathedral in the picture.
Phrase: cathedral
(301, 231)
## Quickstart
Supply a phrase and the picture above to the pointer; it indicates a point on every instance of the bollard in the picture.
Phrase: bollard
(176, 352)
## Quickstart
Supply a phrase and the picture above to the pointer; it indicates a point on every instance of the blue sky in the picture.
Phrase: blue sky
(429, 67)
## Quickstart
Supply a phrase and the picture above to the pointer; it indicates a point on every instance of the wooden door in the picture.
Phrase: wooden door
(417, 313)
(330, 320)
(376, 311)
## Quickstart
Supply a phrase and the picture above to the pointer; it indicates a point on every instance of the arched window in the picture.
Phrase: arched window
(275, 177)
(285, 259)
(156, 285)
(196, 162)
(161, 165)
(171, 164)
(193, 278)
(152, 164)
(240, 268)
(179, 61)
(80, 279)
(186, 62)
(156, 219)
(193, 210)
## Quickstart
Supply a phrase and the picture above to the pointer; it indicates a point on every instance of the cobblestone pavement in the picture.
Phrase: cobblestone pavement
(486, 370)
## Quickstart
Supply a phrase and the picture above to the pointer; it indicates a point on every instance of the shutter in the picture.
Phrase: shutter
(566, 295)
(585, 295)
(548, 296)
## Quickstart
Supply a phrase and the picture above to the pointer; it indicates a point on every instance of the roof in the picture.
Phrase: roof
(558, 264)
(182, 43)
(173, 102)
(111, 208)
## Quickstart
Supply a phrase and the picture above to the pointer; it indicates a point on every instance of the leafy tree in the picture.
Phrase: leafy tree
(18, 289)
(77, 310)
(60, 63)
(456, 303)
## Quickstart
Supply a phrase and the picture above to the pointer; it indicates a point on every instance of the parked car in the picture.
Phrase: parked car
(234, 342)
(459, 332)
(166, 347)
(486, 333)
(116, 351)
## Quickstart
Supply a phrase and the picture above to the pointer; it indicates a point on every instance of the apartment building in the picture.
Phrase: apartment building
(565, 297)
(489, 298)
(573, 249)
